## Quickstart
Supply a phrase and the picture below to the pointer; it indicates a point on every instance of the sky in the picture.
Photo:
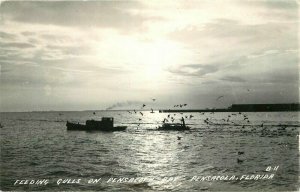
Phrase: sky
(94, 55)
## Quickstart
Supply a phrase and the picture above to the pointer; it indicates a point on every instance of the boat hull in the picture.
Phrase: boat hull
(173, 127)
(81, 127)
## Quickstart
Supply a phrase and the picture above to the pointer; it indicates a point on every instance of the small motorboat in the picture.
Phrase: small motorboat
(174, 126)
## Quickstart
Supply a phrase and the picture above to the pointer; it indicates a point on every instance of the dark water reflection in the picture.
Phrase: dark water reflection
(37, 146)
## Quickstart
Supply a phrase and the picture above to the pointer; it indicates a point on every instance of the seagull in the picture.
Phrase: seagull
(141, 113)
(129, 112)
(134, 111)
(144, 105)
(94, 113)
(239, 160)
(178, 138)
(153, 99)
(184, 104)
(152, 111)
(191, 116)
(220, 97)
(140, 119)
(240, 152)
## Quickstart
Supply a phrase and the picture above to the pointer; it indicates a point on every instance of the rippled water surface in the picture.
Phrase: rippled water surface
(37, 146)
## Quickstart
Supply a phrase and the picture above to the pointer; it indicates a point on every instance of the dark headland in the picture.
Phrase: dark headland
(244, 108)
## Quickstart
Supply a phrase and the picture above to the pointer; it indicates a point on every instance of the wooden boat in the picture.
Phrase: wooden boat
(106, 124)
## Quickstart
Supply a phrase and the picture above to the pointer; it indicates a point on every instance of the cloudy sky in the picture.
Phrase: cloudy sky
(81, 55)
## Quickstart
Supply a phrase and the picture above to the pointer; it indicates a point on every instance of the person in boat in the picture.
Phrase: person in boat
(183, 123)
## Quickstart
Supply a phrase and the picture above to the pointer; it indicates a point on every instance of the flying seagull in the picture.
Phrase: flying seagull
(219, 97)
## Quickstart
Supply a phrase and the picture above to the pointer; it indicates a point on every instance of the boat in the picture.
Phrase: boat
(106, 124)
(174, 126)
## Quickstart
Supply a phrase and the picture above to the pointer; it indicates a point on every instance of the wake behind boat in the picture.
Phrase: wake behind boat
(106, 124)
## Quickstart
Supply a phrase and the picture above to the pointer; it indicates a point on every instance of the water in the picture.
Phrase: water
(36, 146)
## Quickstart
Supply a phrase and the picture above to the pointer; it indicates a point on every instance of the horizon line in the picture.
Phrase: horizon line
(161, 109)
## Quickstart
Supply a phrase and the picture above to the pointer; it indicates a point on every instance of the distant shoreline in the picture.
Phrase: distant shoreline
(244, 108)
(285, 107)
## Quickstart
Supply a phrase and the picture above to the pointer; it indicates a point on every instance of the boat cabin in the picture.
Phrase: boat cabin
(106, 122)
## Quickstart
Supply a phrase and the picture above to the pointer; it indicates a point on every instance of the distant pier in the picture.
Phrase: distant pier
(243, 108)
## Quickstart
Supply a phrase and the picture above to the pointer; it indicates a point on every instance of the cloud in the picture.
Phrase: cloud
(28, 33)
(106, 14)
(198, 70)
(9, 36)
(278, 4)
(17, 45)
(234, 79)
(271, 67)
(86, 51)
